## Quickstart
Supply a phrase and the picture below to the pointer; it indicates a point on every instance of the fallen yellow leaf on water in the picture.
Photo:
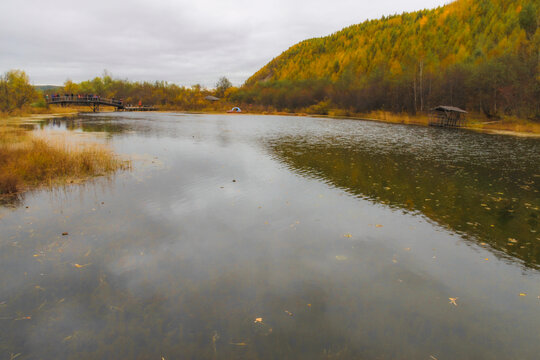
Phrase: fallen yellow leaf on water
(483, 244)
(81, 266)
(347, 235)
(453, 301)
(288, 313)
(522, 294)
(341, 258)
(309, 305)
(378, 226)
(258, 320)
(486, 259)
(512, 240)
(239, 344)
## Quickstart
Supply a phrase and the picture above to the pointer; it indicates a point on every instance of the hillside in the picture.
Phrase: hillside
(482, 55)
(47, 87)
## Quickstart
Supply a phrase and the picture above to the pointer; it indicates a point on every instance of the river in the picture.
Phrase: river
(273, 237)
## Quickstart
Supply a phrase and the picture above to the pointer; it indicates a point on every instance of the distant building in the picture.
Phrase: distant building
(447, 116)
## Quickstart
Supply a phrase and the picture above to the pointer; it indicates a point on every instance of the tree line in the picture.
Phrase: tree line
(159, 93)
(16, 92)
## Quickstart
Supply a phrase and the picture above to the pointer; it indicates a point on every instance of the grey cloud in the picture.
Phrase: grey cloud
(185, 42)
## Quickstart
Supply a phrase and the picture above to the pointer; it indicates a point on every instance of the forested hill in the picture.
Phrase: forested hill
(482, 55)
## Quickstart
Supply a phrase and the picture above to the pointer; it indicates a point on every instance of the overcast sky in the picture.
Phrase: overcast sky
(179, 41)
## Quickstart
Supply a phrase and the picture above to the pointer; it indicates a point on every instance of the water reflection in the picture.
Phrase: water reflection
(496, 202)
(86, 123)
(177, 260)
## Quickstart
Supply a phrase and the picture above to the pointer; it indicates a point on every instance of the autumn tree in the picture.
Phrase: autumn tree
(528, 19)
(70, 87)
(15, 91)
(222, 85)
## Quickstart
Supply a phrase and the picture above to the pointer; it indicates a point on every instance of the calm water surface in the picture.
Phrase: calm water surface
(251, 237)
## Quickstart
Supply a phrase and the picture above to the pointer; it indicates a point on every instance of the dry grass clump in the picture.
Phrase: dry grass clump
(28, 110)
(509, 124)
(400, 118)
(27, 161)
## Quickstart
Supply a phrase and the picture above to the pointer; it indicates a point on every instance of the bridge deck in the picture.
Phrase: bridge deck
(92, 101)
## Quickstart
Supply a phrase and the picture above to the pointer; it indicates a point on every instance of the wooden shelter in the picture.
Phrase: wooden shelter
(447, 116)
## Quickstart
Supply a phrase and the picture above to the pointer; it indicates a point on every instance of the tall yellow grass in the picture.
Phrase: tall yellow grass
(27, 161)
(402, 118)
(474, 121)
(507, 124)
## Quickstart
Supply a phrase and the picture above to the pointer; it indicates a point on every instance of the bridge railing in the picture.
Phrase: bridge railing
(89, 99)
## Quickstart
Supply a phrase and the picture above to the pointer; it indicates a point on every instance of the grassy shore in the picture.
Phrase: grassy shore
(474, 121)
(28, 161)
(504, 125)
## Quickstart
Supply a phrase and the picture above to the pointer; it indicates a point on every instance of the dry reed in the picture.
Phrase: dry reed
(27, 161)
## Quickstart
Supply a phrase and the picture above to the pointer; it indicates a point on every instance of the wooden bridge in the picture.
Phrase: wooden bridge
(95, 102)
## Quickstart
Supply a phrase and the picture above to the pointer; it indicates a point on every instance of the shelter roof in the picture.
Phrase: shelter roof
(448, 108)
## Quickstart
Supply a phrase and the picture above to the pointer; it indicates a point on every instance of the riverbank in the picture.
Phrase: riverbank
(28, 161)
(504, 126)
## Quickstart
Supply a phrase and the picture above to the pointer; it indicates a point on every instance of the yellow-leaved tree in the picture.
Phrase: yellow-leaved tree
(15, 91)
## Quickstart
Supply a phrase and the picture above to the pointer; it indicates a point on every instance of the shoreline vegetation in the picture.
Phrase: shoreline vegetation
(508, 125)
(28, 161)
